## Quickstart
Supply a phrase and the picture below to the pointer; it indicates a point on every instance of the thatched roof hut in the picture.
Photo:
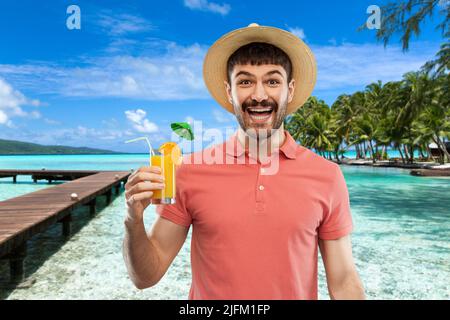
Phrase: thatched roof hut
(435, 151)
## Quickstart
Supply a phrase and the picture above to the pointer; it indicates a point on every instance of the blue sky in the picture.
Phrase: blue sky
(136, 66)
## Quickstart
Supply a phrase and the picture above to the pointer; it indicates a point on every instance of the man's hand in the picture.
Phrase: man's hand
(148, 255)
(139, 191)
(342, 278)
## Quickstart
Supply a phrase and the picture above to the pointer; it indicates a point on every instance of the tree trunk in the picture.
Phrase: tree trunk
(422, 156)
(401, 154)
(371, 151)
(443, 148)
(405, 149)
(364, 150)
(336, 154)
(428, 152)
(411, 153)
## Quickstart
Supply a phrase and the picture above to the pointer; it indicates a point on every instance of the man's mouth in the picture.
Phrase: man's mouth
(260, 114)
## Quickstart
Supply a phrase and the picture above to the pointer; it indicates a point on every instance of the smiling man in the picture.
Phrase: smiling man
(256, 234)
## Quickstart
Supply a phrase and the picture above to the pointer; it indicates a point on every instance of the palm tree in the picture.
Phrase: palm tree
(317, 133)
(365, 129)
(406, 115)
(419, 92)
(343, 121)
(441, 64)
(435, 119)
(310, 125)
(406, 17)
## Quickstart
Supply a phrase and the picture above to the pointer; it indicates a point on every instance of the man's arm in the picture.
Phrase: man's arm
(148, 256)
(342, 278)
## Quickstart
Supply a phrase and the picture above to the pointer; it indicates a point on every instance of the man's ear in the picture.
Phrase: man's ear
(228, 91)
(291, 89)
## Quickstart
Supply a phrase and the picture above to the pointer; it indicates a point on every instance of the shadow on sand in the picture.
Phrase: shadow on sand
(42, 246)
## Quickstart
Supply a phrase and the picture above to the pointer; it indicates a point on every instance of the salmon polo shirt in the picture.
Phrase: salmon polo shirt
(256, 225)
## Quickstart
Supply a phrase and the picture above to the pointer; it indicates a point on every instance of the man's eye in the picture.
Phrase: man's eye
(245, 82)
(273, 82)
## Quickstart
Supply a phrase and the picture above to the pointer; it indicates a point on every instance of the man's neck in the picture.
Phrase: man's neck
(265, 146)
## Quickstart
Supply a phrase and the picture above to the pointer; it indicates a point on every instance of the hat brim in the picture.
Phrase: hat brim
(304, 69)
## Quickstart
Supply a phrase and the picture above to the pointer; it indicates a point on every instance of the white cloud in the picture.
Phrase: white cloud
(357, 65)
(174, 74)
(11, 103)
(204, 5)
(110, 123)
(35, 115)
(51, 122)
(121, 24)
(299, 32)
(189, 120)
(222, 117)
(444, 3)
(3, 117)
(139, 122)
(332, 41)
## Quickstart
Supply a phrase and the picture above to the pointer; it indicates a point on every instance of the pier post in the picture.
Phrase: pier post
(92, 205)
(16, 258)
(108, 196)
(14, 179)
(66, 225)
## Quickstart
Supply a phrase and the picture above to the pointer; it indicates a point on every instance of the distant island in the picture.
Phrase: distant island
(12, 147)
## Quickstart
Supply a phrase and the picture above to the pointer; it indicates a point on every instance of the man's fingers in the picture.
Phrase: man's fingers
(139, 197)
(153, 169)
(143, 176)
(143, 187)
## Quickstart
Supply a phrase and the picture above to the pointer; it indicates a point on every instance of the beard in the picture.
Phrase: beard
(256, 130)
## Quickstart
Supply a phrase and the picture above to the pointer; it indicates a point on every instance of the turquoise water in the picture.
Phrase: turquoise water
(401, 241)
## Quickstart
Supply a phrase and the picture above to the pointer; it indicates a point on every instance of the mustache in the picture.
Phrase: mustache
(263, 103)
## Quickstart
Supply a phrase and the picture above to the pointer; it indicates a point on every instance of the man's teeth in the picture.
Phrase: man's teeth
(260, 110)
(260, 117)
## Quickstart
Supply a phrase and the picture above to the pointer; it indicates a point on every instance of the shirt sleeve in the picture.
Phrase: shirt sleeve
(337, 220)
(178, 212)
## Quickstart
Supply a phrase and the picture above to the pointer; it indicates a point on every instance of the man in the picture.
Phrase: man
(255, 234)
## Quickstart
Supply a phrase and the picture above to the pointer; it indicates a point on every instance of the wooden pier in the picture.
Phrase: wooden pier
(49, 175)
(431, 172)
(25, 216)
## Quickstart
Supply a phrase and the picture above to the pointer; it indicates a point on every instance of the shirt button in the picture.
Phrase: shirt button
(261, 187)
(263, 170)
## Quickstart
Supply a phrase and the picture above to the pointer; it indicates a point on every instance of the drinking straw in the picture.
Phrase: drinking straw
(152, 153)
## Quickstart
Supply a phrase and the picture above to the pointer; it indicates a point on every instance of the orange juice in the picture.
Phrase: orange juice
(167, 165)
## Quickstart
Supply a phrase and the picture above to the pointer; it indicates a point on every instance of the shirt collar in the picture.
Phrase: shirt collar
(235, 149)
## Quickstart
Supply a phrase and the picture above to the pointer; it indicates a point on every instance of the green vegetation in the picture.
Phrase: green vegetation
(18, 147)
(405, 115)
(406, 17)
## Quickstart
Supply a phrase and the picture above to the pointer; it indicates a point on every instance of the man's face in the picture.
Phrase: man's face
(260, 95)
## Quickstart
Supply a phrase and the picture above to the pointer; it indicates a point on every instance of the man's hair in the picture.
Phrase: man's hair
(258, 53)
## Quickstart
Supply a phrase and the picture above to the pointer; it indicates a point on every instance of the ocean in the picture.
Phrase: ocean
(401, 238)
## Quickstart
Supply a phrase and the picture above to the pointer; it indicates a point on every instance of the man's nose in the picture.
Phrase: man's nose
(260, 93)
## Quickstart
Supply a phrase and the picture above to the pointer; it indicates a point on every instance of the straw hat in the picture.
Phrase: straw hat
(304, 68)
